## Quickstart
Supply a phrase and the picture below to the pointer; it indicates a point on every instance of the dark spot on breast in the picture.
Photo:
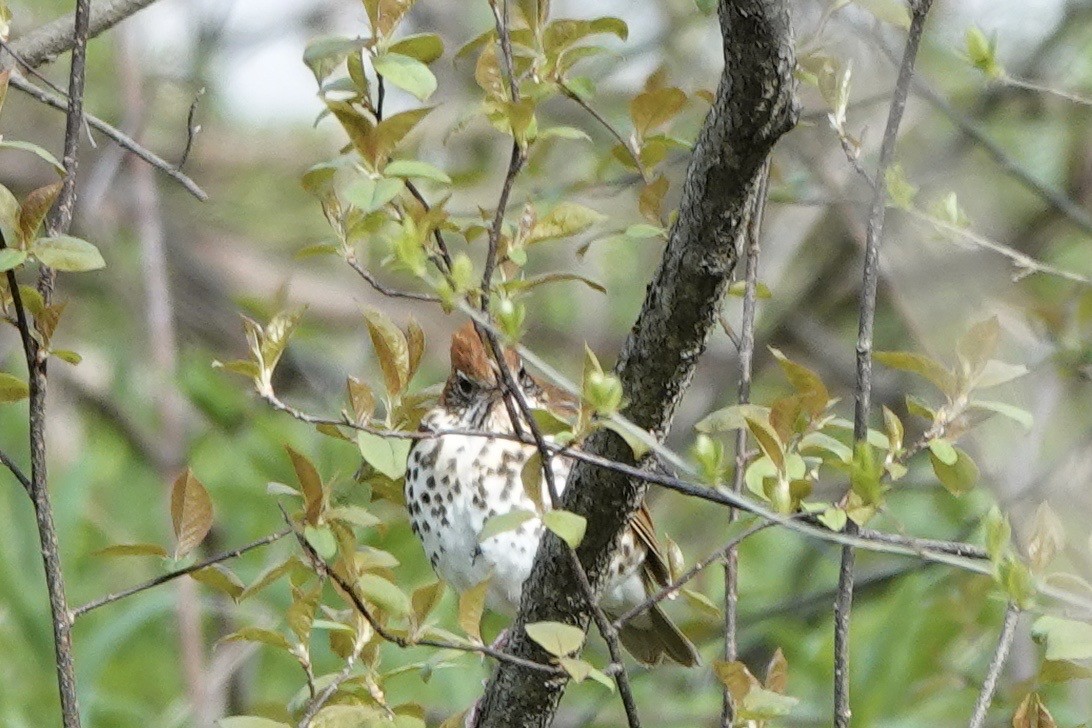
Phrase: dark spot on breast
(430, 483)
(426, 498)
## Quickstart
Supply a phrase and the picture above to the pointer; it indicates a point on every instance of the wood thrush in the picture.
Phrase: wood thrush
(456, 483)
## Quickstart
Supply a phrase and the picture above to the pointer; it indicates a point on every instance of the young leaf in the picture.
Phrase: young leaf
(391, 348)
(257, 634)
(416, 169)
(471, 606)
(425, 598)
(958, 477)
(249, 721)
(813, 393)
(425, 47)
(220, 578)
(11, 258)
(1014, 413)
(64, 252)
(998, 534)
(369, 194)
(768, 441)
(133, 549)
(12, 389)
(386, 454)
(1047, 537)
(655, 108)
(1066, 639)
(565, 219)
(36, 205)
(923, 366)
(310, 485)
(1031, 713)
(504, 522)
(567, 526)
(556, 638)
(944, 451)
(322, 540)
(406, 73)
(191, 513)
(383, 593)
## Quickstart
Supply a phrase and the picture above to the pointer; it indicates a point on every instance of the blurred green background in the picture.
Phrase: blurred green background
(122, 423)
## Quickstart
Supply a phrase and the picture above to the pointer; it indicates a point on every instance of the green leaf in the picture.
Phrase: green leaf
(12, 389)
(1066, 639)
(133, 549)
(701, 603)
(982, 53)
(415, 168)
(1013, 412)
(64, 252)
(944, 451)
(471, 606)
(425, 598)
(569, 527)
(356, 515)
(257, 634)
(66, 355)
(391, 348)
(733, 417)
(406, 73)
(899, 190)
(998, 534)
(269, 576)
(763, 704)
(996, 373)
(564, 220)
(556, 638)
(563, 132)
(739, 289)
(655, 108)
(322, 540)
(324, 55)
(383, 593)
(958, 477)
(191, 513)
(638, 443)
(768, 441)
(36, 150)
(504, 522)
(386, 454)
(221, 579)
(36, 205)
(369, 194)
(918, 364)
(424, 47)
(310, 484)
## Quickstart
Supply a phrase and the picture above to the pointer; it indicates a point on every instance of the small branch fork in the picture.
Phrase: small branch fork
(358, 603)
(844, 600)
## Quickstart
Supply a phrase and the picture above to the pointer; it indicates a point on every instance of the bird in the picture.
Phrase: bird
(456, 483)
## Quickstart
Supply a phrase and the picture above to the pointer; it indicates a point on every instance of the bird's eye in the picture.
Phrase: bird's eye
(464, 385)
(525, 379)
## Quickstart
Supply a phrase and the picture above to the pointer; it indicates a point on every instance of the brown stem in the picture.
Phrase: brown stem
(746, 357)
(844, 601)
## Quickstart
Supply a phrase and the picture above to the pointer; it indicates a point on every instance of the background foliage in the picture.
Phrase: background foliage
(922, 634)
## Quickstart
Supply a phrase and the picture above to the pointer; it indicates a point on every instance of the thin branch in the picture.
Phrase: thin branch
(672, 589)
(746, 357)
(989, 686)
(318, 701)
(171, 576)
(123, 140)
(565, 89)
(46, 42)
(844, 601)
(372, 281)
(16, 471)
(358, 603)
(192, 129)
(1043, 88)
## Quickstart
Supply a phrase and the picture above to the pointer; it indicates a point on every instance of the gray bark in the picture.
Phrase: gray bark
(755, 104)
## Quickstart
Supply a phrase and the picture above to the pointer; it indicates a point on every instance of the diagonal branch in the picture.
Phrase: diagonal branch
(989, 686)
(867, 318)
(755, 105)
(48, 41)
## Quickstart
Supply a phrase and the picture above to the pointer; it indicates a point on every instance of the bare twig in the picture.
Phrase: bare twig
(565, 89)
(16, 471)
(372, 281)
(989, 686)
(746, 357)
(122, 139)
(673, 588)
(57, 223)
(844, 600)
(192, 129)
(318, 701)
(171, 576)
